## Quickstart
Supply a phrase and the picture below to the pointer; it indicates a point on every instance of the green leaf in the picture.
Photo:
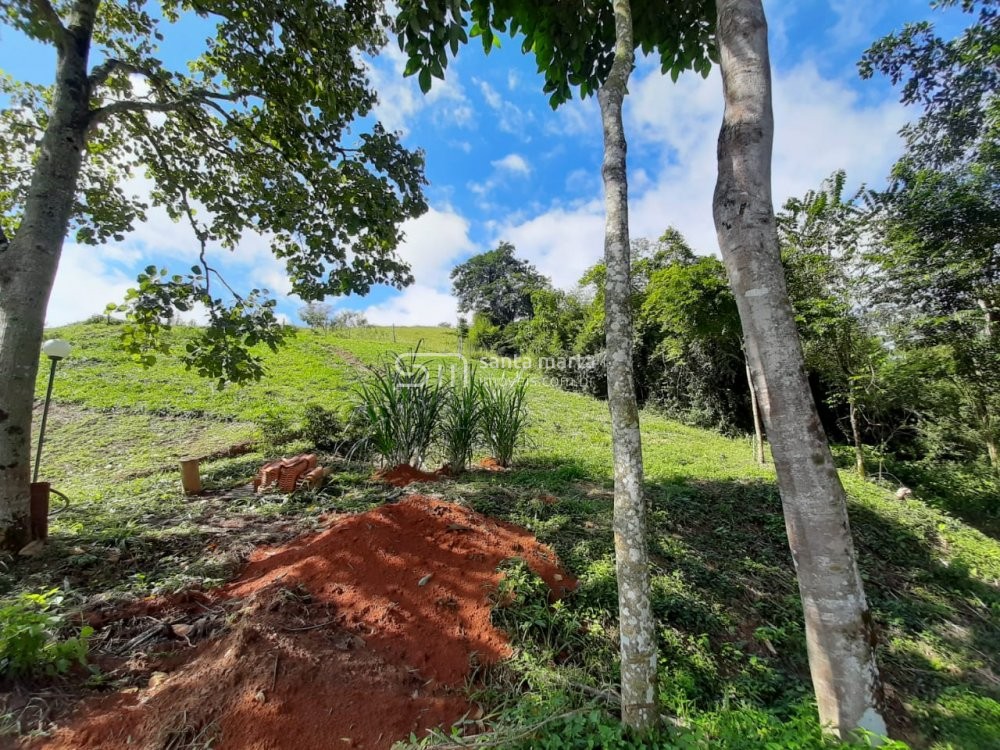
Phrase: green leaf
(425, 80)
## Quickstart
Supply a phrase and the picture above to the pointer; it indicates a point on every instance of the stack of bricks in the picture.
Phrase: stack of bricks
(289, 474)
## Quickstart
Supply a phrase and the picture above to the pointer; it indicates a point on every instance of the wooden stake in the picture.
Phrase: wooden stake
(190, 476)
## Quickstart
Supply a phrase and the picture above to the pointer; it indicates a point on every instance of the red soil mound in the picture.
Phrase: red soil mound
(491, 464)
(353, 637)
(404, 474)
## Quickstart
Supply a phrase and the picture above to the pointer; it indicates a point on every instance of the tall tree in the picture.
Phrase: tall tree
(942, 260)
(825, 247)
(497, 284)
(636, 628)
(693, 310)
(591, 46)
(943, 206)
(838, 623)
(253, 134)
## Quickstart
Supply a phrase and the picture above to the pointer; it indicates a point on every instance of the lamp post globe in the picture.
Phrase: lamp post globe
(56, 348)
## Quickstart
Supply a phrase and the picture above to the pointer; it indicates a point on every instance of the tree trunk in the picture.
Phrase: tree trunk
(636, 629)
(859, 451)
(988, 316)
(28, 269)
(992, 449)
(838, 623)
(758, 428)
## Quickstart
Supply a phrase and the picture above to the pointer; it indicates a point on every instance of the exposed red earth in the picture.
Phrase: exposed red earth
(353, 637)
(404, 474)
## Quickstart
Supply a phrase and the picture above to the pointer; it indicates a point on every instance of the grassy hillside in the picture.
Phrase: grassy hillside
(724, 589)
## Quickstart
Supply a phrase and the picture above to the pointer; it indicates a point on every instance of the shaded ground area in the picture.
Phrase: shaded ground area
(352, 637)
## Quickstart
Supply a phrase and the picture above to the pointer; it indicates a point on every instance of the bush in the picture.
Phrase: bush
(329, 430)
(461, 421)
(588, 374)
(275, 429)
(29, 637)
(483, 334)
(505, 417)
(398, 406)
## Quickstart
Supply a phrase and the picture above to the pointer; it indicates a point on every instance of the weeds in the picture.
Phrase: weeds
(461, 421)
(29, 637)
(329, 430)
(505, 417)
(399, 405)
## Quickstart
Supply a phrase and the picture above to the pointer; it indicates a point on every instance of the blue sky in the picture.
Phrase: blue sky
(503, 165)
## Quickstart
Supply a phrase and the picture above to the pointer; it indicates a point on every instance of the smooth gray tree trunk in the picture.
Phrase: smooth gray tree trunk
(636, 628)
(28, 268)
(859, 451)
(838, 624)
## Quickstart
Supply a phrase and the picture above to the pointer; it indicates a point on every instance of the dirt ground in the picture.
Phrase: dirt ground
(353, 637)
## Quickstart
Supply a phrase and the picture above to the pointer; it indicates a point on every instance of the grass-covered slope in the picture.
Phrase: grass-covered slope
(724, 588)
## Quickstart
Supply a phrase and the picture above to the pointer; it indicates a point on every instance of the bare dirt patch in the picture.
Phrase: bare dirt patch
(404, 474)
(353, 637)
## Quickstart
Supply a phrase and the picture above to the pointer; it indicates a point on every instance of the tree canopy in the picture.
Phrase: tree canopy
(268, 130)
(573, 42)
(955, 81)
(497, 284)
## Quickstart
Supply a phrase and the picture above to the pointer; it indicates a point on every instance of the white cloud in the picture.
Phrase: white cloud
(433, 243)
(490, 95)
(855, 22)
(820, 125)
(514, 163)
(415, 305)
(561, 243)
(576, 118)
(400, 98)
(511, 118)
(87, 281)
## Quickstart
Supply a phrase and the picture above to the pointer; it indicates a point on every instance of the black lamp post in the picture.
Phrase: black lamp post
(54, 349)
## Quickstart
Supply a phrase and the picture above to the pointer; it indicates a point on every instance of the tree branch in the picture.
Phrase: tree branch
(43, 11)
(104, 71)
(200, 233)
(194, 97)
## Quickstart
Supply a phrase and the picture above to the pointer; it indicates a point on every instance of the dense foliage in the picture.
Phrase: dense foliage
(497, 285)
(266, 128)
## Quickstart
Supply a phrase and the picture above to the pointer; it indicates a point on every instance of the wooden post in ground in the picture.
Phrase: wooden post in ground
(190, 476)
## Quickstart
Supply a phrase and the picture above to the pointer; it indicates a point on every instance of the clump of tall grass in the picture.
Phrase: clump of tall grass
(461, 420)
(399, 405)
(505, 417)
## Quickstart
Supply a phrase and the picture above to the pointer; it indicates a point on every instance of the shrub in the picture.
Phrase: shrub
(275, 429)
(505, 417)
(483, 334)
(461, 421)
(398, 407)
(329, 430)
(29, 637)
(316, 314)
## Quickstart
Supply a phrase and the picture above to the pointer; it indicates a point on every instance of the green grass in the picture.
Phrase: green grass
(313, 366)
(724, 589)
